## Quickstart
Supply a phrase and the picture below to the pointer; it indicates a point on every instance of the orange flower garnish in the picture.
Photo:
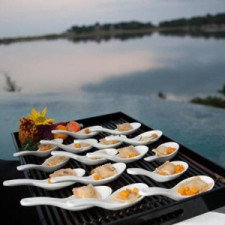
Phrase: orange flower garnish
(188, 191)
(179, 168)
(77, 145)
(154, 135)
(87, 131)
(170, 150)
(96, 177)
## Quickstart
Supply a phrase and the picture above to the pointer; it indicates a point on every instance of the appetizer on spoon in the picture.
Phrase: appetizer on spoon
(49, 165)
(125, 128)
(166, 172)
(80, 193)
(164, 152)
(185, 189)
(124, 197)
(43, 149)
(82, 134)
(100, 175)
(78, 146)
(86, 160)
(142, 139)
(126, 154)
(46, 183)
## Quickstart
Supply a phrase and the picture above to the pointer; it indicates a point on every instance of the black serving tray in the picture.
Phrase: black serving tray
(151, 210)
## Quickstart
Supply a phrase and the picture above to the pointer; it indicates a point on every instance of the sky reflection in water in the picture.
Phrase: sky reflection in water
(86, 79)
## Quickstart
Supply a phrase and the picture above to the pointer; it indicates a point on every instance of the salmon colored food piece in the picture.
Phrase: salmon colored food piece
(73, 126)
(63, 136)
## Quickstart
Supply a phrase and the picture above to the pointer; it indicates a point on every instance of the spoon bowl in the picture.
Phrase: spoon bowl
(79, 135)
(135, 126)
(38, 152)
(142, 150)
(164, 158)
(86, 160)
(43, 166)
(120, 167)
(173, 192)
(110, 203)
(71, 147)
(158, 177)
(136, 140)
(43, 183)
(99, 145)
(104, 192)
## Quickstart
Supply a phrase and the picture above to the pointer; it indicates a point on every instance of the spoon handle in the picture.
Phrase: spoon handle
(100, 155)
(102, 129)
(65, 147)
(22, 153)
(67, 154)
(139, 171)
(60, 132)
(94, 202)
(48, 142)
(151, 158)
(117, 138)
(70, 178)
(150, 191)
(17, 182)
(41, 201)
(28, 166)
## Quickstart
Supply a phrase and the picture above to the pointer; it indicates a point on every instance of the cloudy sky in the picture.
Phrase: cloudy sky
(32, 17)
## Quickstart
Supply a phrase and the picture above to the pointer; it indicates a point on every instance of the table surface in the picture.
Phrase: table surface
(215, 217)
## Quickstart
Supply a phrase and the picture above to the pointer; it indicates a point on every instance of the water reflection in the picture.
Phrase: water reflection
(11, 85)
(87, 79)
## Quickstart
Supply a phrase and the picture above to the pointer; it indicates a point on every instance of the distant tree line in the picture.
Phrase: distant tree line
(195, 21)
(133, 25)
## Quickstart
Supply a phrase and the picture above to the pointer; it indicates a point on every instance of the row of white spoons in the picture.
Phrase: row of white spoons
(107, 200)
(94, 130)
(58, 143)
(99, 157)
(64, 181)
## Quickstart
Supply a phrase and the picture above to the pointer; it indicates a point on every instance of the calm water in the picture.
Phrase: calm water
(77, 80)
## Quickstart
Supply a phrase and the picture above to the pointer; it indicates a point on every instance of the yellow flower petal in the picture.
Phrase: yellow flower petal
(44, 111)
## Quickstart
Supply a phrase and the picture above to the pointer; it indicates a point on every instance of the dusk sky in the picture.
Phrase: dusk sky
(32, 17)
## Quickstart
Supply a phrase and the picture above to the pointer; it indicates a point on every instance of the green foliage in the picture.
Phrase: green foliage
(195, 21)
(133, 25)
(210, 101)
(222, 90)
(29, 145)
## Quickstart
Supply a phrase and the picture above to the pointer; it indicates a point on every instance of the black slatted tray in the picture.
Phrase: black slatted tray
(154, 209)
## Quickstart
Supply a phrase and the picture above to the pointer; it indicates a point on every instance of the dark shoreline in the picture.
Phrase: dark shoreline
(210, 31)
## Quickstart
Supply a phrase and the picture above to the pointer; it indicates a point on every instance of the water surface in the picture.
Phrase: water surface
(77, 80)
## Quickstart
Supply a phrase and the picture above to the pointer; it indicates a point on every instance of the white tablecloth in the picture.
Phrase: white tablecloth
(216, 217)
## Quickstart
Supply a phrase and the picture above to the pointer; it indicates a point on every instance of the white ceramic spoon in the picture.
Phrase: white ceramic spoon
(157, 177)
(99, 145)
(43, 166)
(135, 126)
(38, 152)
(120, 167)
(115, 158)
(71, 147)
(43, 183)
(165, 157)
(84, 159)
(173, 192)
(109, 203)
(79, 135)
(104, 192)
(136, 140)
